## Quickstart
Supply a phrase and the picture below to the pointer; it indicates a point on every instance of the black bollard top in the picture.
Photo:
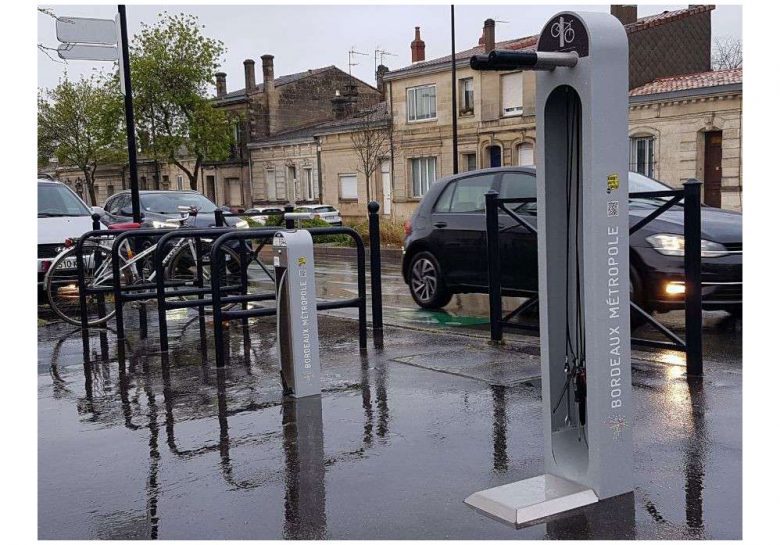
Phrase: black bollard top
(373, 207)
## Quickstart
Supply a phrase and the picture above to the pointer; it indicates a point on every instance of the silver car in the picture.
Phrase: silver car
(322, 211)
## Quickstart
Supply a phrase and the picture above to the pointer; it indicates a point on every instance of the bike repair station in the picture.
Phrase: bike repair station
(585, 336)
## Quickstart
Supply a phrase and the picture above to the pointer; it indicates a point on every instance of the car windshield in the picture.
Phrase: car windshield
(639, 183)
(56, 200)
(324, 209)
(169, 202)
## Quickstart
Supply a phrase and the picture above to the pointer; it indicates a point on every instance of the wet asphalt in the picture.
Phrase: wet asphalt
(136, 445)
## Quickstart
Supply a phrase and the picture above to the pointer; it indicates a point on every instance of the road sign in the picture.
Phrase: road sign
(120, 54)
(87, 52)
(84, 30)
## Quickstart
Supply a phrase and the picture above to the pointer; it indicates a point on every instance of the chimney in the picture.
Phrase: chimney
(339, 104)
(626, 13)
(249, 76)
(489, 35)
(268, 72)
(418, 47)
(381, 70)
(221, 84)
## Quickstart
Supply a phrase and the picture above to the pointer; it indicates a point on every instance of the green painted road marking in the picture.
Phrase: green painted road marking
(438, 317)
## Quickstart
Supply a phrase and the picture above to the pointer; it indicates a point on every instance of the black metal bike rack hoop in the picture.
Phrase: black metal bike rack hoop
(218, 299)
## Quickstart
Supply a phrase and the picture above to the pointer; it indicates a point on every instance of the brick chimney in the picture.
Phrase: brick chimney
(339, 104)
(626, 13)
(418, 47)
(489, 35)
(221, 84)
(249, 76)
(268, 72)
(381, 70)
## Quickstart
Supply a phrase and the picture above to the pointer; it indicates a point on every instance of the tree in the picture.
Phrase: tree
(371, 141)
(173, 65)
(81, 124)
(726, 54)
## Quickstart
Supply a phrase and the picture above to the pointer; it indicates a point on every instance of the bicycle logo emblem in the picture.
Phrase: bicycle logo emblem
(563, 31)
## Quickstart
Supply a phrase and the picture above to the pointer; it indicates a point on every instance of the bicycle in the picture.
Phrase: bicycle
(180, 268)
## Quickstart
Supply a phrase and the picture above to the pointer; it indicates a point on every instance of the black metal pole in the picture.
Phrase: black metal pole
(693, 308)
(289, 223)
(494, 264)
(129, 116)
(454, 96)
(376, 274)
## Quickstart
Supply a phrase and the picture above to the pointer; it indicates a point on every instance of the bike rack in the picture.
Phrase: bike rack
(692, 345)
(218, 300)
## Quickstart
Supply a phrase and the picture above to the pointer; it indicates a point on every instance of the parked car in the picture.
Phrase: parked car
(445, 245)
(322, 211)
(159, 208)
(257, 213)
(61, 215)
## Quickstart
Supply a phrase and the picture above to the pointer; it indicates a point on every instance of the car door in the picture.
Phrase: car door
(115, 207)
(519, 269)
(458, 221)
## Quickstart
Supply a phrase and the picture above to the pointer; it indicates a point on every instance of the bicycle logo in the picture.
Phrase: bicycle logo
(563, 31)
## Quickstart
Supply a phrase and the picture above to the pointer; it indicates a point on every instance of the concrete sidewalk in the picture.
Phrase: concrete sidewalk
(142, 447)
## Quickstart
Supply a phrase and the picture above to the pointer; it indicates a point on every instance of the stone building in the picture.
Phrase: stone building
(496, 110)
(258, 112)
(690, 126)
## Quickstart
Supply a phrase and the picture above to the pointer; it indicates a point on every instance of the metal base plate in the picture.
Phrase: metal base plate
(532, 499)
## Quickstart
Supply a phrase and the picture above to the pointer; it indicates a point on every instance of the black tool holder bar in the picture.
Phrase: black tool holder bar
(221, 316)
(199, 289)
(692, 345)
(501, 60)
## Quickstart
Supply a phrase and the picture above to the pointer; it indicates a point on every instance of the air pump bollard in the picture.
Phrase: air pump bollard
(296, 313)
(582, 193)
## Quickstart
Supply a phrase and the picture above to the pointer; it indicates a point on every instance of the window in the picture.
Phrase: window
(270, 184)
(642, 158)
(179, 182)
(348, 187)
(467, 96)
(525, 154)
(234, 191)
(211, 188)
(421, 103)
(109, 190)
(166, 182)
(292, 190)
(309, 187)
(469, 161)
(512, 94)
(143, 182)
(515, 185)
(423, 175)
(465, 196)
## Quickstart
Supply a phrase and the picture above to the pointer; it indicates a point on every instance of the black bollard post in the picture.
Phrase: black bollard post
(693, 308)
(289, 223)
(219, 218)
(494, 265)
(376, 274)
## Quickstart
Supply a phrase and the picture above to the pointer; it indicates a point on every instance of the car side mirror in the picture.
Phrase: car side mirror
(98, 210)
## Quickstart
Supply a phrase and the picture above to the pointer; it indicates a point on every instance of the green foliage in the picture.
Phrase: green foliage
(391, 231)
(81, 124)
(173, 64)
(341, 240)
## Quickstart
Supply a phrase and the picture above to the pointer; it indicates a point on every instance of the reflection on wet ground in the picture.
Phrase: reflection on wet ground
(136, 445)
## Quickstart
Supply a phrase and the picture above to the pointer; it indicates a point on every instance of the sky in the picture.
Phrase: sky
(313, 36)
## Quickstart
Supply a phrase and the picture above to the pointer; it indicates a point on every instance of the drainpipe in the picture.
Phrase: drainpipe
(251, 182)
(319, 168)
(392, 158)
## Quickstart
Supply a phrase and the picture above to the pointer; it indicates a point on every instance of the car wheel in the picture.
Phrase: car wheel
(426, 282)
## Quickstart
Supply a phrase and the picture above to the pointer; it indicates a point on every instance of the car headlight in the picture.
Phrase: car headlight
(668, 244)
(164, 224)
(242, 224)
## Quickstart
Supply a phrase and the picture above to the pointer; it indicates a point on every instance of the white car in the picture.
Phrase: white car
(322, 211)
(256, 213)
(61, 215)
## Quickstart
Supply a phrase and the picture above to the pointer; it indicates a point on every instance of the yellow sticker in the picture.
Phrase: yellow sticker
(301, 261)
(613, 182)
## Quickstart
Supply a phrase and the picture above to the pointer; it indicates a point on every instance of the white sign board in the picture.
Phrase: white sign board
(86, 31)
(85, 52)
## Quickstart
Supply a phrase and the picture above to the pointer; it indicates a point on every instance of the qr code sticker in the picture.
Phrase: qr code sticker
(612, 209)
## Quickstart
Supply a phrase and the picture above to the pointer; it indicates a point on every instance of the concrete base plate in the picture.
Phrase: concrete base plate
(532, 499)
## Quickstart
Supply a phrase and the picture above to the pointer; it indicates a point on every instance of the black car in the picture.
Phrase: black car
(445, 246)
(159, 208)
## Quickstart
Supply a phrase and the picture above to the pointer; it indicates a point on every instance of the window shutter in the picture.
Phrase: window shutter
(512, 93)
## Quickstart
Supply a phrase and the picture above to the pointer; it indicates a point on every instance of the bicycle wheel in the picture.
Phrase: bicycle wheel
(62, 287)
(183, 268)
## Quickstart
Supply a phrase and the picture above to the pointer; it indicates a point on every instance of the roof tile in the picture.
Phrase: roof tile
(685, 82)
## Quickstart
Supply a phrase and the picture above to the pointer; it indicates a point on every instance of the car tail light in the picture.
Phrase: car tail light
(45, 265)
(69, 242)
(407, 228)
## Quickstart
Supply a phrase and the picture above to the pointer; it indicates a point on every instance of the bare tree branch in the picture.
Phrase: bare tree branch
(371, 142)
(726, 54)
